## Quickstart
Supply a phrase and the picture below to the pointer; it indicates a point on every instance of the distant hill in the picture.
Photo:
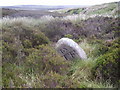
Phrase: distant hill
(34, 10)
(6, 11)
(29, 13)
(41, 7)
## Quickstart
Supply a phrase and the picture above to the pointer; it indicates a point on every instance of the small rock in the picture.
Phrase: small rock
(70, 50)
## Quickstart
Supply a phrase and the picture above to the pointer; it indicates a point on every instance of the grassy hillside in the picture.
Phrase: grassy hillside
(109, 8)
(29, 58)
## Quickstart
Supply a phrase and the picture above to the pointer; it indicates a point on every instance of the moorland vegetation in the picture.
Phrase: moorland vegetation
(29, 58)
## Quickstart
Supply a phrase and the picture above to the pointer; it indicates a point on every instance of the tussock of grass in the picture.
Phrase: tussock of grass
(81, 72)
(88, 48)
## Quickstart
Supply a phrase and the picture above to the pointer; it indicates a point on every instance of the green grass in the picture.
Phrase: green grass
(81, 72)
(88, 48)
(74, 11)
(106, 10)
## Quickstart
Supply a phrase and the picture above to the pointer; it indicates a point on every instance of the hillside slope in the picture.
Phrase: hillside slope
(108, 8)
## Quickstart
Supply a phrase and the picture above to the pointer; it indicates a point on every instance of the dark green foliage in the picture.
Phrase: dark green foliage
(17, 38)
(68, 36)
(106, 68)
(117, 31)
(101, 47)
(75, 11)
(45, 64)
(9, 52)
(11, 75)
(45, 59)
(39, 39)
(27, 44)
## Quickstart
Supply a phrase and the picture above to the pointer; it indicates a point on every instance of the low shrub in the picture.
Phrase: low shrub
(17, 37)
(9, 53)
(53, 29)
(39, 39)
(106, 67)
(27, 44)
(101, 47)
(10, 75)
(44, 59)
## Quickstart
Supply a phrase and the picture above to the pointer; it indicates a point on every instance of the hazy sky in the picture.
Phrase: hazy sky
(53, 2)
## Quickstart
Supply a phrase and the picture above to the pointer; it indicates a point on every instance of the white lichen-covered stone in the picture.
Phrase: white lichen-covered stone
(69, 49)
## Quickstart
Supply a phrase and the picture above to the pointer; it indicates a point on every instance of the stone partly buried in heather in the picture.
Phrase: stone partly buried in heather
(70, 50)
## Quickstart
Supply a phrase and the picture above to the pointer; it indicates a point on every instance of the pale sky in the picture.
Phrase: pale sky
(53, 2)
